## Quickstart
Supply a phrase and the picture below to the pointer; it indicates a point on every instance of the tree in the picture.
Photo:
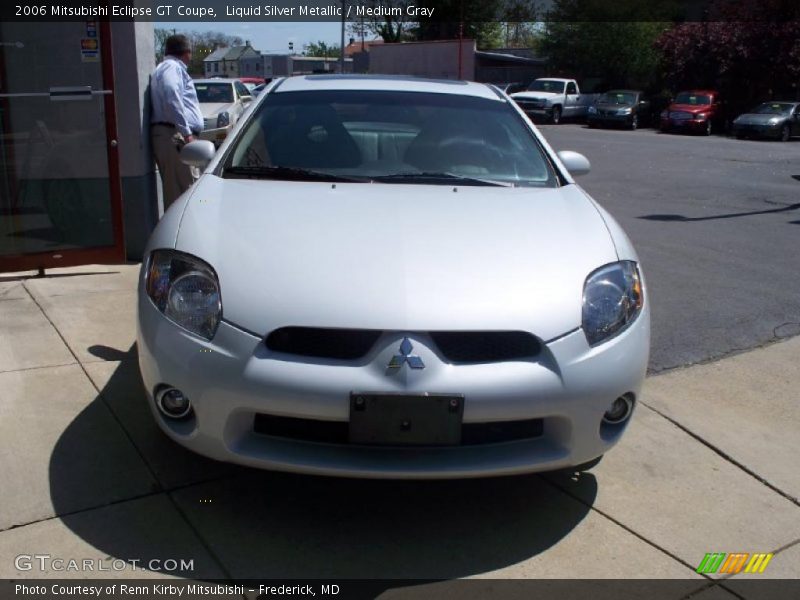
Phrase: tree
(390, 28)
(472, 19)
(748, 50)
(321, 48)
(160, 38)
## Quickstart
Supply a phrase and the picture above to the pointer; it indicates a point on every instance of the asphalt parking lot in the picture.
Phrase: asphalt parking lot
(709, 462)
(716, 223)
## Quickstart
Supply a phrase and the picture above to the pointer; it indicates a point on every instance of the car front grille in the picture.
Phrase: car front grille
(318, 342)
(680, 115)
(337, 432)
(454, 346)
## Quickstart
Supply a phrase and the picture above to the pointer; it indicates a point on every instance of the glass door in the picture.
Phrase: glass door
(60, 194)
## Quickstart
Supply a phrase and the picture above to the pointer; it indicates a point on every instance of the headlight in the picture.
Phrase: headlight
(664, 114)
(701, 116)
(592, 110)
(624, 111)
(223, 119)
(612, 299)
(774, 121)
(185, 290)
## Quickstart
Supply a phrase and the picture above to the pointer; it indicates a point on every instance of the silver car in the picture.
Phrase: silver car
(391, 277)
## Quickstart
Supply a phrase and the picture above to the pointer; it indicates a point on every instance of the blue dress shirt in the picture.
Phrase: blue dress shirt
(173, 97)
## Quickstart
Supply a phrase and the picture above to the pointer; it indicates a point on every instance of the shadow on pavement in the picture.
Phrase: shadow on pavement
(262, 524)
(683, 219)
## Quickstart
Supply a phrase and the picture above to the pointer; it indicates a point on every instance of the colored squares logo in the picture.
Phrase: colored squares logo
(735, 562)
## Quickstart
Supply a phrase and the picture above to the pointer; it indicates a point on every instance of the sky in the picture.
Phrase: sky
(269, 36)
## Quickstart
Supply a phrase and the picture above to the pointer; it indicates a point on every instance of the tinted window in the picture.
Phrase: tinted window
(686, 98)
(241, 89)
(214, 92)
(370, 134)
(571, 89)
(547, 85)
(618, 98)
(773, 108)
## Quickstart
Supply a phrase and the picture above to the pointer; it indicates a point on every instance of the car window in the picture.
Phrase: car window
(618, 98)
(369, 134)
(241, 89)
(214, 92)
(547, 85)
(571, 88)
(773, 108)
(686, 98)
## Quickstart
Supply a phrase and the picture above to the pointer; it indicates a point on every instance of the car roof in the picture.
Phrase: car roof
(709, 92)
(302, 83)
(215, 80)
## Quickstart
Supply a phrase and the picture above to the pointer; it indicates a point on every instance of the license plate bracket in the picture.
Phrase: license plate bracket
(406, 419)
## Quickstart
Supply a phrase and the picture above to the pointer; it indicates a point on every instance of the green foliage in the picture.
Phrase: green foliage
(321, 48)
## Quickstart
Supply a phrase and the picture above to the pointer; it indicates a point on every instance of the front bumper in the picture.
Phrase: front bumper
(235, 377)
(766, 131)
(216, 135)
(535, 109)
(598, 119)
(692, 125)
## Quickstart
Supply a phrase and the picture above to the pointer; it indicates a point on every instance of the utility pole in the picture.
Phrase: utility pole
(341, 47)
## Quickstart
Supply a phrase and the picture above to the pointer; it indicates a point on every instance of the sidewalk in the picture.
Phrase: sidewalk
(709, 465)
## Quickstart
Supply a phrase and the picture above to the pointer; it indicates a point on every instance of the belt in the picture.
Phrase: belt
(172, 126)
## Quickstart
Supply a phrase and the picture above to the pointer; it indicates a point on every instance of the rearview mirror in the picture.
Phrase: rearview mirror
(577, 164)
(198, 153)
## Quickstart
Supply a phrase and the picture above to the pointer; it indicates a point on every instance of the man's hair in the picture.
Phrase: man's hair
(177, 45)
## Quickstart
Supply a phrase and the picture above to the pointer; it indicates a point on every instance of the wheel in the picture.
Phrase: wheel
(634, 124)
(707, 130)
(591, 125)
(786, 133)
(739, 136)
(556, 118)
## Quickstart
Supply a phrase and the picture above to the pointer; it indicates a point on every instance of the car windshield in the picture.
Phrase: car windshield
(547, 85)
(617, 98)
(687, 98)
(773, 108)
(214, 92)
(389, 137)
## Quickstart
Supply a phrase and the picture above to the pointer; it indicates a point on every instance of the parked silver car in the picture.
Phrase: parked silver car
(391, 277)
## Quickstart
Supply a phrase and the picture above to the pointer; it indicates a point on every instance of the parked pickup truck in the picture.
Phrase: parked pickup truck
(553, 99)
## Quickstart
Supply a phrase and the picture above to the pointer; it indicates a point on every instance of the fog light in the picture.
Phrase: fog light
(620, 410)
(173, 403)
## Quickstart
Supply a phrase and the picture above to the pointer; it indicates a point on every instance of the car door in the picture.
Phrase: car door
(796, 120)
(243, 97)
(643, 109)
(571, 100)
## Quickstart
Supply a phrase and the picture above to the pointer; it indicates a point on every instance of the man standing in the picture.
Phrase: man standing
(175, 117)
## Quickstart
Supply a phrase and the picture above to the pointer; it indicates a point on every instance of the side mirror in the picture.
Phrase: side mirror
(247, 99)
(198, 153)
(577, 164)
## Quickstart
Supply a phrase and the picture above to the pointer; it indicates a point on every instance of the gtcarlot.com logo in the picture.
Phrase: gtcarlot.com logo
(47, 562)
(721, 562)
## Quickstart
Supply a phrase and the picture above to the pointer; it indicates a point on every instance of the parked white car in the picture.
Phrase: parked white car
(222, 102)
(553, 98)
(391, 277)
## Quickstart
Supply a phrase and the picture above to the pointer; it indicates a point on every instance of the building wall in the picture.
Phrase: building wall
(134, 60)
(437, 60)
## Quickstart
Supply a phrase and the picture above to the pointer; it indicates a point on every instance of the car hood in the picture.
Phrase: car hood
(757, 119)
(396, 257)
(612, 105)
(690, 108)
(212, 109)
(534, 95)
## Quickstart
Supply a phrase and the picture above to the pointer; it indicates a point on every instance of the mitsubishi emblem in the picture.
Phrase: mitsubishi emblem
(405, 356)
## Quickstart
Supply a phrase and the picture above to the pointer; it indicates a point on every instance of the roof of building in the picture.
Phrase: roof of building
(357, 46)
(399, 83)
(232, 53)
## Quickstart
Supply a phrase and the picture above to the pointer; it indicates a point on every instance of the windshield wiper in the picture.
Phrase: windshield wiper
(287, 173)
(426, 177)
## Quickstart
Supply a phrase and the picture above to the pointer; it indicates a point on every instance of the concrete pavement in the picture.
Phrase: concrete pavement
(708, 465)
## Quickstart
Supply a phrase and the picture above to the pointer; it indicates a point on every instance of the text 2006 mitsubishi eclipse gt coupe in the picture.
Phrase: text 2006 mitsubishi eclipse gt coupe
(391, 277)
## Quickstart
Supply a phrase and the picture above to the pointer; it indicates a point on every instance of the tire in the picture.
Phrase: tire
(786, 133)
(707, 130)
(634, 124)
(555, 118)
(739, 136)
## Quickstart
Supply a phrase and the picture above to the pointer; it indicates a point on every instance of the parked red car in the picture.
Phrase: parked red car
(697, 111)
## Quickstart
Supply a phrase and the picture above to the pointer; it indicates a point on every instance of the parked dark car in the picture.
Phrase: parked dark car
(695, 111)
(776, 120)
(629, 108)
